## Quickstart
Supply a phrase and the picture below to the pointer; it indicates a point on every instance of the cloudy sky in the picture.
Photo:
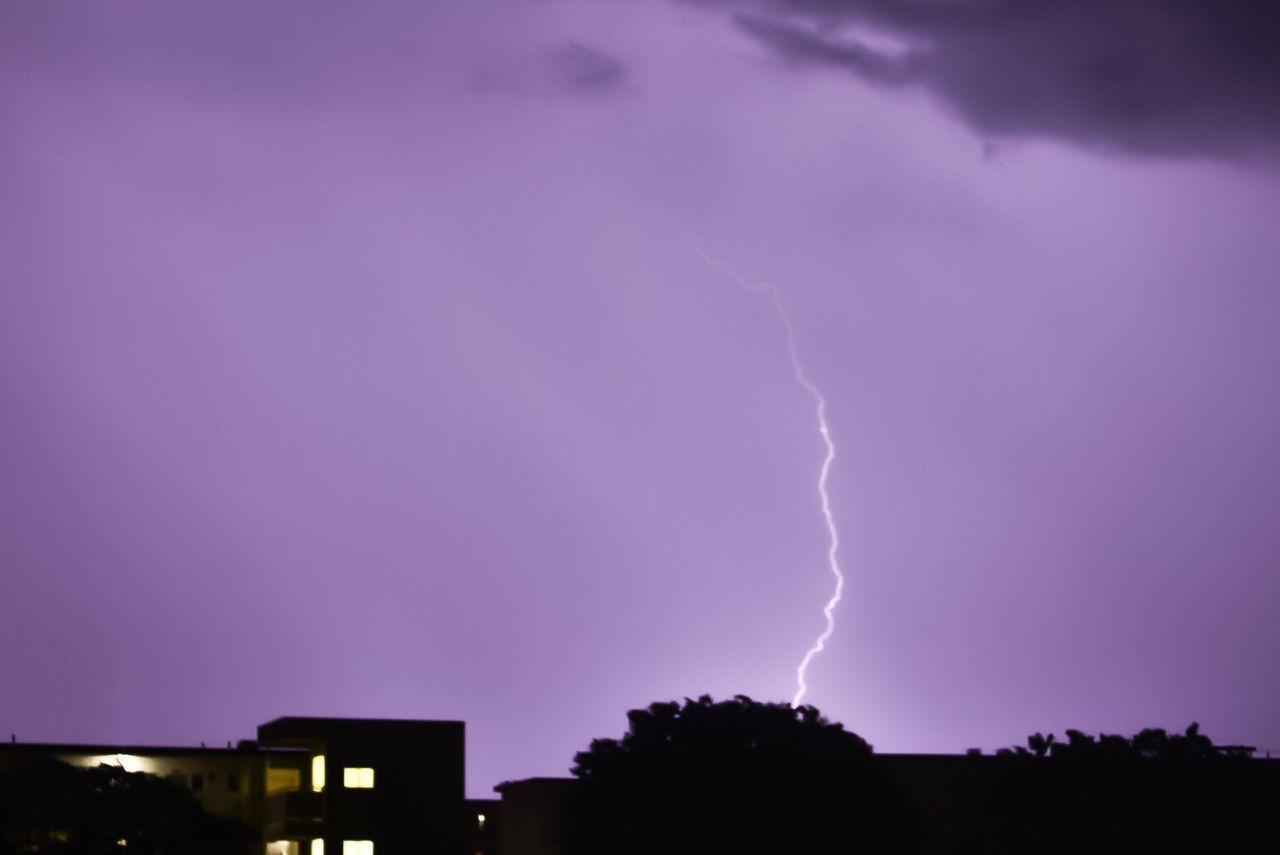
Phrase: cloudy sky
(359, 359)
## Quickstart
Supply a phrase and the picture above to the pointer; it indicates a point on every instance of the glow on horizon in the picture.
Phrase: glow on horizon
(824, 473)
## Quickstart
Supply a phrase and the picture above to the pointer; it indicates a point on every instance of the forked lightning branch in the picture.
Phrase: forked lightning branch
(824, 472)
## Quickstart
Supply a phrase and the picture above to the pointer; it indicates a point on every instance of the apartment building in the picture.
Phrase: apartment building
(320, 786)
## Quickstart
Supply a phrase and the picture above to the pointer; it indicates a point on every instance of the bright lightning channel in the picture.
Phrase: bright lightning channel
(824, 473)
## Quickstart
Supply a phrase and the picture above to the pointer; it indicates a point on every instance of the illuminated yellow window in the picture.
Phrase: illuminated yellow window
(317, 846)
(282, 780)
(357, 847)
(317, 773)
(357, 778)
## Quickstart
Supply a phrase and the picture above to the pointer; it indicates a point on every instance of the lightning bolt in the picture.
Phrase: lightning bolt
(824, 473)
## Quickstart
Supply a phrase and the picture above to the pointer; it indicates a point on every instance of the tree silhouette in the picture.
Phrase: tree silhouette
(735, 776)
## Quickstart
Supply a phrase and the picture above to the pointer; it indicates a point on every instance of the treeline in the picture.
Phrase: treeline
(753, 778)
(1149, 744)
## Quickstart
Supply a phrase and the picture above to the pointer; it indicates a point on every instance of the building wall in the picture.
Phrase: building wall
(226, 782)
(482, 827)
(947, 795)
(535, 816)
(414, 806)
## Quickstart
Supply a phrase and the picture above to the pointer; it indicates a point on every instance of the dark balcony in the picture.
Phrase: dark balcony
(295, 813)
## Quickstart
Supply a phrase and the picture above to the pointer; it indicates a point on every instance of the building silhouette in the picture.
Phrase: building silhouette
(342, 786)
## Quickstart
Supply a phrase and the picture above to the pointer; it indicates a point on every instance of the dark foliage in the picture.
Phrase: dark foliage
(736, 776)
(1150, 744)
(1152, 793)
(50, 807)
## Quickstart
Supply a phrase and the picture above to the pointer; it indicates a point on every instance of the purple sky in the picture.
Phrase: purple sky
(357, 359)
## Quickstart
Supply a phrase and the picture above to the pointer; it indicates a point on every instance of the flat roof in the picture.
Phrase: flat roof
(343, 721)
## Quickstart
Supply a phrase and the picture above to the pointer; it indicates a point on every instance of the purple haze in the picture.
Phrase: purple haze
(356, 359)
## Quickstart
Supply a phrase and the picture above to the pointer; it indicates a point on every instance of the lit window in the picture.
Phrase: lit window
(282, 847)
(282, 780)
(357, 778)
(357, 847)
(480, 821)
(317, 773)
(317, 846)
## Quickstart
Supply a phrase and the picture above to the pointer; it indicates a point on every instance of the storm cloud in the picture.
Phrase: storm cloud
(1176, 77)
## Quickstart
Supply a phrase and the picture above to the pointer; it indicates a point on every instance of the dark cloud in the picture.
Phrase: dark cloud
(578, 66)
(800, 43)
(1188, 77)
(571, 67)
